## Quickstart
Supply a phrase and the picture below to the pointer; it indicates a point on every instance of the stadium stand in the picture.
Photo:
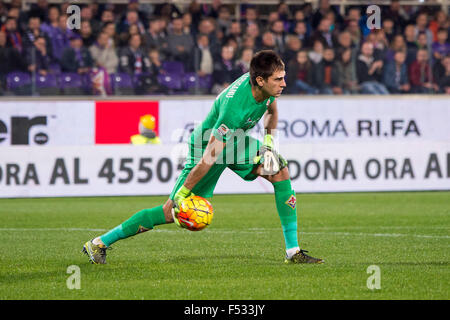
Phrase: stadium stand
(154, 47)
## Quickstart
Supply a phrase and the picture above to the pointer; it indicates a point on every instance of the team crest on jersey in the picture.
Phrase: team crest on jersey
(223, 129)
(292, 201)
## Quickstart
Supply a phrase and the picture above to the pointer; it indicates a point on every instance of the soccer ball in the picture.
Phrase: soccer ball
(196, 213)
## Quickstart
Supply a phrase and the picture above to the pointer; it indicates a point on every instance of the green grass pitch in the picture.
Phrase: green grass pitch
(240, 256)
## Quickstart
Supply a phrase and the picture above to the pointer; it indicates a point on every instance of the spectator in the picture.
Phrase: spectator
(268, 41)
(441, 47)
(13, 37)
(441, 74)
(38, 59)
(107, 16)
(187, 23)
(325, 74)
(395, 74)
(422, 27)
(355, 32)
(212, 10)
(224, 18)
(87, 14)
(440, 21)
(253, 32)
(51, 25)
(316, 54)
(252, 17)
(397, 44)
(61, 38)
(235, 32)
(369, 71)
(345, 43)
(76, 58)
(396, 14)
(104, 54)
(299, 16)
(277, 29)
(110, 29)
(411, 44)
(225, 70)
(87, 36)
(154, 38)
(39, 9)
(300, 74)
(321, 12)
(422, 43)
(301, 31)
(420, 75)
(10, 58)
(153, 71)
(133, 59)
(179, 45)
(353, 14)
(284, 13)
(32, 33)
(347, 71)
(324, 34)
(133, 5)
(202, 58)
(293, 45)
(389, 30)
(131, 17)
(243, 63)
(273, 16)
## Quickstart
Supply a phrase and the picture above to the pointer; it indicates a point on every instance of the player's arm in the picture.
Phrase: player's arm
(212, 151)
(271, 118)
(267, 156)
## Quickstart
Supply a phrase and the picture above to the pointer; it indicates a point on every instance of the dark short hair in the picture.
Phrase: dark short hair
(263, 64)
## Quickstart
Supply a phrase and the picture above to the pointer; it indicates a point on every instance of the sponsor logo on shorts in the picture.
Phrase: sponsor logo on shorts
(292, 201)
(223, 130)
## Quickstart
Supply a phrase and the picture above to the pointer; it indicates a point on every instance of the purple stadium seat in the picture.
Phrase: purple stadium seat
(18, 83)
(173, 67)
(171, 81)
(122, 84)
(47, 85)
(71, 83)
(17, 79)
(196, 84)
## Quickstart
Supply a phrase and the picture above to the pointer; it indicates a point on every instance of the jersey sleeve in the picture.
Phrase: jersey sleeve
(228, 122)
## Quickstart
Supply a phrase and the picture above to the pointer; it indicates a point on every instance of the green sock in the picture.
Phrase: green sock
(141, 221)
(287, 210)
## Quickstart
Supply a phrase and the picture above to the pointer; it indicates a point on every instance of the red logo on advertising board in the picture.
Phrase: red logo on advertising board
(117, 121)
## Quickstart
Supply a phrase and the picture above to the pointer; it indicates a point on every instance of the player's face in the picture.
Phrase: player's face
(275, 84)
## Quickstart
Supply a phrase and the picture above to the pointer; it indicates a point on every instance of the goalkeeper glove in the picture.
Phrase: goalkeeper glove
(181, 194)
(271, 160)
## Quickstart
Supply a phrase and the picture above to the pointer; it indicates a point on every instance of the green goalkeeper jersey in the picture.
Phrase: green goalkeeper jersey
(235, 111)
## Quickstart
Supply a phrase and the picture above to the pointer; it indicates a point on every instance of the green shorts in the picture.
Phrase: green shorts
(239, 160)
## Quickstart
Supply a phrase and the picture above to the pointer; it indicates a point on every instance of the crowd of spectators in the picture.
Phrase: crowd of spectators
(324, 52)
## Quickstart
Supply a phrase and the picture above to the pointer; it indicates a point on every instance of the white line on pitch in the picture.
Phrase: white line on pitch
(250, 231)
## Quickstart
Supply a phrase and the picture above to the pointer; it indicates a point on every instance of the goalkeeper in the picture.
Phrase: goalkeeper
(221, 142)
